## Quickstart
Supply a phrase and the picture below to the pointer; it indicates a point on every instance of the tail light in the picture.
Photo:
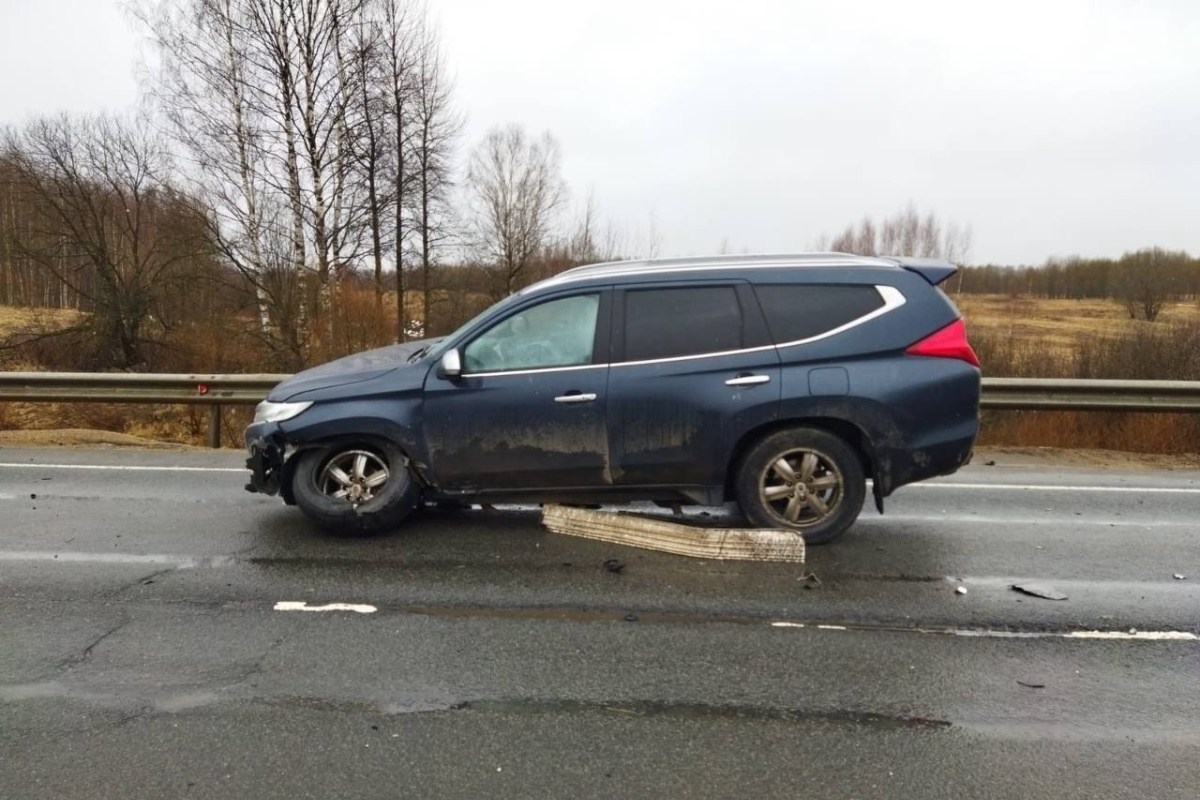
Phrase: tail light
(949, 342)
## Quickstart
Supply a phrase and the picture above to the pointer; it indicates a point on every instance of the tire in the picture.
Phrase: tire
(367, 509)
(821, 507)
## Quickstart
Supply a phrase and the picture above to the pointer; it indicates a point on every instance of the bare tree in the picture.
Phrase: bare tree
(653, 237)
(436, 128)
(224, 83)
(399, 31)
(905, 233)
(103, 221)
(370, 145)
(300, 115)
(516, 190)
(1147, 279)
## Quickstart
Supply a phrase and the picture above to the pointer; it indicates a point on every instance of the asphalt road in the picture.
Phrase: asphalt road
(142, 655)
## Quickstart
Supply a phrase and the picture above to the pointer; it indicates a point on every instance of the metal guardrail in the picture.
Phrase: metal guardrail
(1086, 395)
(127, 387)
(218, 390)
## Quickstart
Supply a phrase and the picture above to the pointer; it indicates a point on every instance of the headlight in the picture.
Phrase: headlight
(278, 412)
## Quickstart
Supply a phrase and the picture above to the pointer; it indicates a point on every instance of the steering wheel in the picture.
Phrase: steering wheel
(534, 354)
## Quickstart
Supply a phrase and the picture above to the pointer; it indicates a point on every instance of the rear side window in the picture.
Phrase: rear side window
(802, 311)
(669, 323)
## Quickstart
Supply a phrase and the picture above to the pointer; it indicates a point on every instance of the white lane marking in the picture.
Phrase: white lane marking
(1033, 487)
(121, 467)
(983, 633)
(928, 485)
(1005, 487)
(1157, 636)
(179, 562)
(359, 608)
(959, 519)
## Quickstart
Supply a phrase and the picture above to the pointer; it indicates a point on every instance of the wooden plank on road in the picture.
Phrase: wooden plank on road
(742, 544)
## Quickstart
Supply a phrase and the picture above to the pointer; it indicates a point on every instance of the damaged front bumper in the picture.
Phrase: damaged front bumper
(266, 459)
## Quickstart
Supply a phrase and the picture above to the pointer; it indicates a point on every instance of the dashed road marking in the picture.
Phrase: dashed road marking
(358, 608)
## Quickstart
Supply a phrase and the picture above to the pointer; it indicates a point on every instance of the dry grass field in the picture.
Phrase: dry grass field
(14, 319)
(1058, 326)
(1029, 337)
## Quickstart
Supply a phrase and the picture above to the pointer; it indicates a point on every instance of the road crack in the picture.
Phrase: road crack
(72, 661)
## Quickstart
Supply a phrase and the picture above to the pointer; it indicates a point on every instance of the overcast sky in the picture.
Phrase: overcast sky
(1050, 127)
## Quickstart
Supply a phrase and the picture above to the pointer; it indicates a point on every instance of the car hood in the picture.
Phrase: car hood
(357, 368)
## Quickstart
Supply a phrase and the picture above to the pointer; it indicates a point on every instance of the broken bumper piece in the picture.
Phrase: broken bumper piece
(266, 467)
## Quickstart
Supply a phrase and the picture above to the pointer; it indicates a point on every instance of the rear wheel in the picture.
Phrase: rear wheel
(803, 479)
(355, 489)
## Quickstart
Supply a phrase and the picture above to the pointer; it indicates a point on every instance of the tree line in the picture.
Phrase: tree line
(1142, 280)
(291, 191)
(296, 156)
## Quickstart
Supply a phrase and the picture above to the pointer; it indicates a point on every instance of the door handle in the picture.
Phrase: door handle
(748, 380)
(575, 397)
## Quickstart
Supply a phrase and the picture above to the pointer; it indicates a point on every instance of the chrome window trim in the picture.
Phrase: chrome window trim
(718, 354)
(538, 370)
(893, 298)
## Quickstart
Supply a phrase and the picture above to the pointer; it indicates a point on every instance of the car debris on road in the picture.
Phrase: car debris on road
(1039, 590)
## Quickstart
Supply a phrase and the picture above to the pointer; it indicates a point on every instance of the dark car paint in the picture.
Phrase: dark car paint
(506, 432)
(314, 384)
(667, 429)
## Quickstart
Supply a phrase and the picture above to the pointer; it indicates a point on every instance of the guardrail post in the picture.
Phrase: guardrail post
(214, 425)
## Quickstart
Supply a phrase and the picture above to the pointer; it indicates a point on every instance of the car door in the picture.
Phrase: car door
(693, 370)
(528, 411)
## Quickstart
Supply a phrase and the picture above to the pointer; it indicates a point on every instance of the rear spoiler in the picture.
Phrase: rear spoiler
(933, 270)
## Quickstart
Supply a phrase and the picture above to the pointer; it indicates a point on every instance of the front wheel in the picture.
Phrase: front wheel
(355, 489)
(803, 479)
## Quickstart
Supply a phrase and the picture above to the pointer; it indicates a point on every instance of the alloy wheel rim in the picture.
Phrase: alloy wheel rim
(355, 476)
(801, 487)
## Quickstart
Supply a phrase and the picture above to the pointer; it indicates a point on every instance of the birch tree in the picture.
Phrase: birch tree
(435, 130)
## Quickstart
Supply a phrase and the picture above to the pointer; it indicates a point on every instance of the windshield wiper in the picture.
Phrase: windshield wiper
(417, 354)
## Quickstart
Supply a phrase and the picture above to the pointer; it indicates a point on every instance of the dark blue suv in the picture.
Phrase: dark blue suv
(781, 382)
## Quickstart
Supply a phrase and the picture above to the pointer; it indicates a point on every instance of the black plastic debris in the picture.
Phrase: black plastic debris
(1039, 590)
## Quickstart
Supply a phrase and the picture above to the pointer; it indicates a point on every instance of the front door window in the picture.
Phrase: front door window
(560, 333)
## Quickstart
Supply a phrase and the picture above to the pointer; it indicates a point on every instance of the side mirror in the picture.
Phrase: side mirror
(451, 366)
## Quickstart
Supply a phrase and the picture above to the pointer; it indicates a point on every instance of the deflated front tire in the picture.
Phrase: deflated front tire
(355, 488)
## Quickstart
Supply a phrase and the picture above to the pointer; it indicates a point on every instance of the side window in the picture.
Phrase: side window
(558, 333)
(667, 323)
(801, 311)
